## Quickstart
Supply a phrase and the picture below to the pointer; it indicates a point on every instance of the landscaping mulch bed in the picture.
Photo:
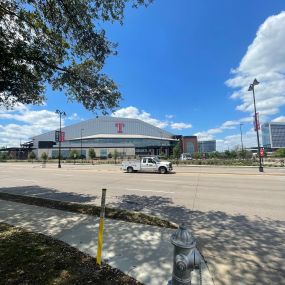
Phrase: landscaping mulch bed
(112, 213)
(31, 258)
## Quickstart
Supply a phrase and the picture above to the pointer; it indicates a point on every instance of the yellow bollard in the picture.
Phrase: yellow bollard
(101, 227)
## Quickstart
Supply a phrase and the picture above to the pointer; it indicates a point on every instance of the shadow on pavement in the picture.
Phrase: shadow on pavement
(133, 248)
(239, 250)
(48, 193)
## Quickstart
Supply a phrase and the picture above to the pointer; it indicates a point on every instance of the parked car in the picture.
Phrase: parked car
(147, 164)
(186, 156)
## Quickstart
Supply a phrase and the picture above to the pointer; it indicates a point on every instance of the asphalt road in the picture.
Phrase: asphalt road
(237, 214)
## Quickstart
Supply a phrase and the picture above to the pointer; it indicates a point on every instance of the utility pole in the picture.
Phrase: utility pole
(61, 114)
(251, 88)
(81, 155)
(240, 125)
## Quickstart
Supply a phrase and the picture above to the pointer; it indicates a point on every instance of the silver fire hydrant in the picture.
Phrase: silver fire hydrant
(186, 256)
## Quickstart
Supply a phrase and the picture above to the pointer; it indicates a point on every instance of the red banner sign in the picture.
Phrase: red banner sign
(59, 137)
(62, 136)
(256, 123)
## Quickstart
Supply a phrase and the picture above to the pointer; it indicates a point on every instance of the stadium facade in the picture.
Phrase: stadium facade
(129, 137)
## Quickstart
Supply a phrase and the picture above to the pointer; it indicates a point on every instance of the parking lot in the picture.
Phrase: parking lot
(237, 214)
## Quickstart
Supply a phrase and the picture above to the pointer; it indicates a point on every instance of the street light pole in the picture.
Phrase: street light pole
(241, 136)
(251, 88)
(60, 113)
(81, 144)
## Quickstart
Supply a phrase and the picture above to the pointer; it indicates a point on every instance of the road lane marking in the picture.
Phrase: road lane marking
(143, 190)
(163, 181)
(26, 180)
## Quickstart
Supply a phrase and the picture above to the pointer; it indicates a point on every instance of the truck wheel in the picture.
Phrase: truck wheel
(162, 170)
(130, 170)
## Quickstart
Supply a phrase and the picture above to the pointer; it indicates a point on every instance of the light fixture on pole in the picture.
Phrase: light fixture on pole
(61, 114)
(81, 143)
(240, 125)
(256, 123)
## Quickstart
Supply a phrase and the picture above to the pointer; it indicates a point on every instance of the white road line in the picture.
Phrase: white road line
(26, 180)
(163, 181)
(142, 190)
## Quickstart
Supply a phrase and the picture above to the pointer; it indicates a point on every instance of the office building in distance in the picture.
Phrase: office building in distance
(207, 146)
(273, 135)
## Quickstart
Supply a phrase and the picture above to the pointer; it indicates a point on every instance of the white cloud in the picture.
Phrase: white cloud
(230, 124)
(180, 126)
(234, 141)
(280, 119)
(74, 117)
(227, 125)
(33, 123)
(135, 113)
(169, 116)
(264, 60)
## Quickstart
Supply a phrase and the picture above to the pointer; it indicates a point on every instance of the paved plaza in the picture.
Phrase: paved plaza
(236, 214)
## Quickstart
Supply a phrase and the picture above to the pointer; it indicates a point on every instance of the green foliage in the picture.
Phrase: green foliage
(230, 154)
(197, 155)
(44, 156)
(280, 152)
(177, 150)
(92, 153)
(61, 43)
(73, 154)
(243, 154)
(3, 156)
(115, 155)
(110, 155)
(32, 156)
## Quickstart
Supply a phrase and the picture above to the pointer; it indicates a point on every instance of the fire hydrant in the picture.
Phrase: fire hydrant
(186, 256)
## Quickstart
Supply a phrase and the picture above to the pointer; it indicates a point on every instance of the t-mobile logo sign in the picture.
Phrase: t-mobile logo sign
(119, 127)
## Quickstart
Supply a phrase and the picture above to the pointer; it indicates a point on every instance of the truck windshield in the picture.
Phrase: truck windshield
(156, 159)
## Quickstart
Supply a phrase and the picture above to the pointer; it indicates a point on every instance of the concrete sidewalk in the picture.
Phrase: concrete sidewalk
(141, 251)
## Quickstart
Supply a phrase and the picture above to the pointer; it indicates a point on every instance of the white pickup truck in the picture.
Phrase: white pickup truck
(147, 164)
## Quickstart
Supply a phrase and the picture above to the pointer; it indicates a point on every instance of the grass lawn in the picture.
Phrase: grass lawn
(31, 258)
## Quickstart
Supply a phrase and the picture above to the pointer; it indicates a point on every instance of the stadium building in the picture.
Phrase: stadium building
(129, 137)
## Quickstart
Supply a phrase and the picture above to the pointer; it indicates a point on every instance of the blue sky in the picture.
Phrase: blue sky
(175, 67)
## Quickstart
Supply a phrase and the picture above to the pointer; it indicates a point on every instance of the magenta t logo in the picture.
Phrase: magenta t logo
(119, 127)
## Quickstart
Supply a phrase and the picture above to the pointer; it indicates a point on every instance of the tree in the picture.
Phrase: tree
(73, 154)
(44, 157)
(92, 154)
(110, 155)
(3, 156)
(32, 156)
(227, 154)
(115, 155)
(59, 42)
(197, 155)
(177, 151)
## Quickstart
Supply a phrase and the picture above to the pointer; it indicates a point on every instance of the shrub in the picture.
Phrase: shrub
(44, 157)
(32, 156)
